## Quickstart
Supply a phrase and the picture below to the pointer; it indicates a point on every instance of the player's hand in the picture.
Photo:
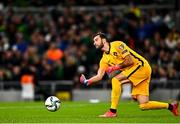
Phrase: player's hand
(112, 68)
(83, 80)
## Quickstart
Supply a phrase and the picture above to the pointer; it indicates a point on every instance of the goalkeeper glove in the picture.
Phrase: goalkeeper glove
(84, 81)
(112, 68)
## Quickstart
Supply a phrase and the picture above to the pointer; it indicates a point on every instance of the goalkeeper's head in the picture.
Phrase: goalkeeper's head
(99, 40)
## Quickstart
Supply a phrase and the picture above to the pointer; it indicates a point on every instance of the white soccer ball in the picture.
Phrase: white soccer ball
(52, 103)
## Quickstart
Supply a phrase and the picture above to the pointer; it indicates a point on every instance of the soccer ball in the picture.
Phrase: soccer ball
(52, 103)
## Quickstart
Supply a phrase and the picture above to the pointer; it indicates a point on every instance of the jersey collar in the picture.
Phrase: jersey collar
(109, 49)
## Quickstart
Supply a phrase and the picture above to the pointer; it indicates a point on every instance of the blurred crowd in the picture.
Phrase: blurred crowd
(41, 3)
(57, 45)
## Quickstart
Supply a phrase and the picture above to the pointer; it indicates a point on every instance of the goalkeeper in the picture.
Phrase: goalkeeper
(134, 69)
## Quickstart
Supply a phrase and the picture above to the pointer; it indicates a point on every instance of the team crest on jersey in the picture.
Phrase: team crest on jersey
(121, 47)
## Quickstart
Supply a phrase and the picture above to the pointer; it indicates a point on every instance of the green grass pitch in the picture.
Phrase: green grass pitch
(80, 112)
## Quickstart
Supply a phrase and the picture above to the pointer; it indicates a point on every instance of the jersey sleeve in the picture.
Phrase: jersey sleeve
(103, 64)
(122, 49)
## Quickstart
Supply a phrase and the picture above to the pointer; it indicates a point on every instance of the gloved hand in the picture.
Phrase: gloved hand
(114, 73)
(112, 68)
(83, 80)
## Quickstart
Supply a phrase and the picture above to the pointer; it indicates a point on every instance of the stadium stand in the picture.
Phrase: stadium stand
(27, 34)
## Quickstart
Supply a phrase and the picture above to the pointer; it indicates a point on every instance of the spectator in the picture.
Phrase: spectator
(53, 54)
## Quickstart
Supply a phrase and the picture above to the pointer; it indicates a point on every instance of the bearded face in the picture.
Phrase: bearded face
(98, 43)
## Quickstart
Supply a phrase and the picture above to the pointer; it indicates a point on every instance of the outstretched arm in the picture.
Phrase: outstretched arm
(93, 79)
(99, 75)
